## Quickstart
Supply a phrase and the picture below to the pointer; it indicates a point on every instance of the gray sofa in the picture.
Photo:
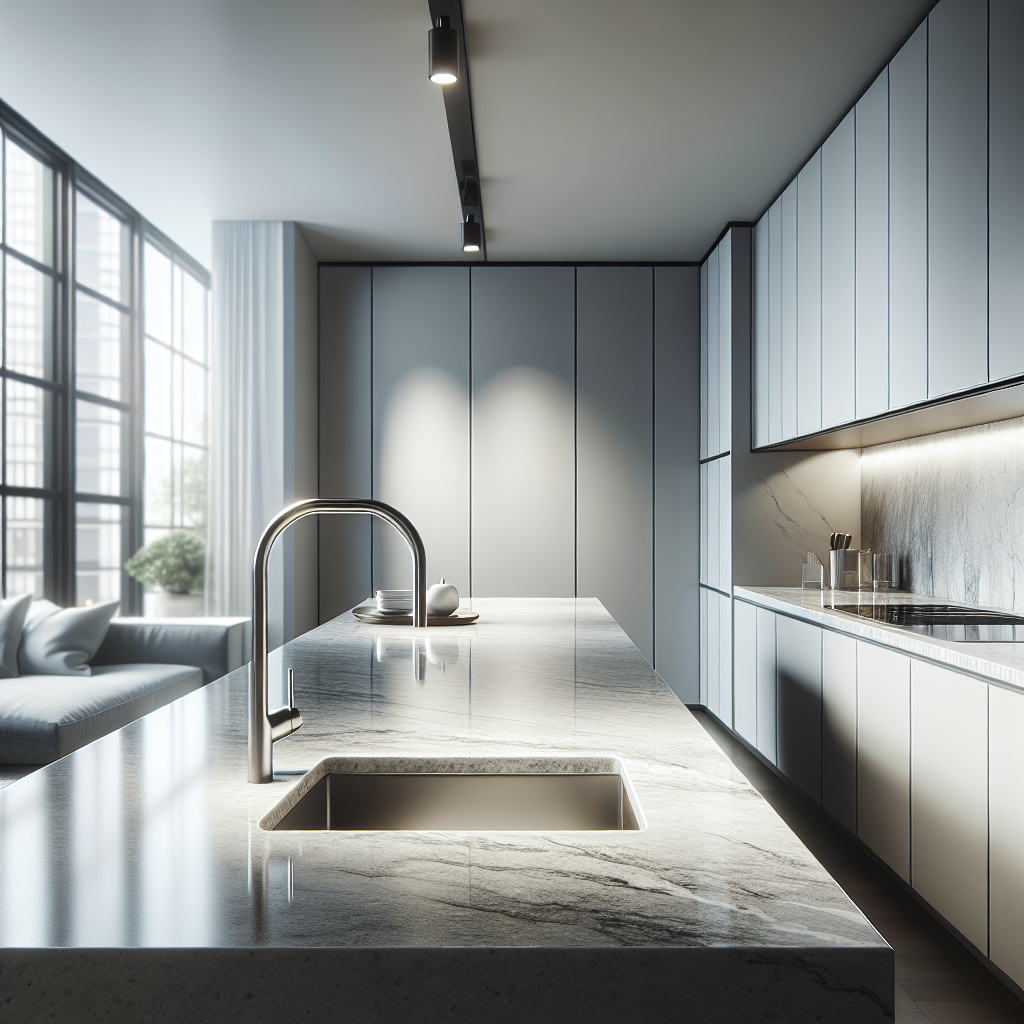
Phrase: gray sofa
(141, 665)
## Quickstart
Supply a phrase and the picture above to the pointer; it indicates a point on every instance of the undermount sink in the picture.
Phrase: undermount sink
(460, 795)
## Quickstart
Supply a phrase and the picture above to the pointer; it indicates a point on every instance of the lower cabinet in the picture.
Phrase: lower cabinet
(949, 796)
(1006, 831)
(765, 682)
(839, 727)
(924, 764)
(798, 682)
(744, 671)
(883, 754)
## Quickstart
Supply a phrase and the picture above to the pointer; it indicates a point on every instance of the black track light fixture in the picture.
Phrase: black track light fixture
(444, 52)
(470, 234)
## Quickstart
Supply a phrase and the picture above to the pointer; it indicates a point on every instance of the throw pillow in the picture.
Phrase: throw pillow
(61, 641)
(12, 621)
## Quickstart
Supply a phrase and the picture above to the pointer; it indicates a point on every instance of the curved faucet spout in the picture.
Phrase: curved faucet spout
(267, 727)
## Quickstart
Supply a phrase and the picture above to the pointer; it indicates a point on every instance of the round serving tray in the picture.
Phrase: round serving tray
(369, 613)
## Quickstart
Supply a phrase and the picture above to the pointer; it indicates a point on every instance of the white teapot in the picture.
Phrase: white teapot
(442, 599)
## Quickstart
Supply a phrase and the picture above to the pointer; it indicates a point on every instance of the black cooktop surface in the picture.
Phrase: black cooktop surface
(946, 621)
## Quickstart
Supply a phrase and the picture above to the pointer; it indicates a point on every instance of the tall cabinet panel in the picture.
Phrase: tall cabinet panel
(725, 343)
(789, 351)
(775, 322)
(1006, 189)
(705, 398)
(524, 324)
(345, 427)
(761, 368)
(808, 312)
(766, 707)
(798, 660)
(872, 122)
(838, 256)
(714, 444)
(1006, 831)
(908, 222)
(615, 322)
(957, 196)
(745, 670)
(421, 390)
(883, 754)
(839, 727)
(676, 497)
(949, 796)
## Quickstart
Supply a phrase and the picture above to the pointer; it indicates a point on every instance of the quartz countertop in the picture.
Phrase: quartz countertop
(993, 662)
(150, 837)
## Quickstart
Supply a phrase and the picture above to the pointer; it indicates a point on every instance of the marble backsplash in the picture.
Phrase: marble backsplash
(951, 506)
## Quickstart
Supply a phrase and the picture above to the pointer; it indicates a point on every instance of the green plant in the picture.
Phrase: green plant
(174, 562)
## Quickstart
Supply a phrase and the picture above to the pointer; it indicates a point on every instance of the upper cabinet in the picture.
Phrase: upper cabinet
(890, 272)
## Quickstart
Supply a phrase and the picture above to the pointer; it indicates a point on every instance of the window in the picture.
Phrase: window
(177, 315)
(81, 332)
(31, 389)
(103, 411)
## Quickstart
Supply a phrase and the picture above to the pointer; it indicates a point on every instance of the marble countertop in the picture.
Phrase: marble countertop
(150, 837)
(994, 662)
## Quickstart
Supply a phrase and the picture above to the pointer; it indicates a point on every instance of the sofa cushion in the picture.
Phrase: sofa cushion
(45, 717)
(62, 641)
(12, 623)
(217, 646)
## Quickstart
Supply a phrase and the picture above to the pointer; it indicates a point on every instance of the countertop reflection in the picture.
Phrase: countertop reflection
(149, 837)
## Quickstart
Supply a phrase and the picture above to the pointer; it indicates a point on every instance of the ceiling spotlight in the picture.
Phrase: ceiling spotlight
(444, 52)
(470, 235)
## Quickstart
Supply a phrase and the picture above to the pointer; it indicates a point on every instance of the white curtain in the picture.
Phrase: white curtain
(246, 486)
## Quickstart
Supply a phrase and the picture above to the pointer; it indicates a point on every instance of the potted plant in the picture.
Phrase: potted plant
(175, 563)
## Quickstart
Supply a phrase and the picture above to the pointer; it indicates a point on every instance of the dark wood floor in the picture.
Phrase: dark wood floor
(937, 980)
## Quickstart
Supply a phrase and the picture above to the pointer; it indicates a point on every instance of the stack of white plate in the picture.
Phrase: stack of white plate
(394, 602)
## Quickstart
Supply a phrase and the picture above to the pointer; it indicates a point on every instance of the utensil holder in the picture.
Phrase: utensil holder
(851, 569)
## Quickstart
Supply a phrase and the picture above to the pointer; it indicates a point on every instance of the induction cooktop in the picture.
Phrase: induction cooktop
(946, 621)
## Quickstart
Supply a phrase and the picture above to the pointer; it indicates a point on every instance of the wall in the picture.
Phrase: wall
(539, 425)
(951, 505)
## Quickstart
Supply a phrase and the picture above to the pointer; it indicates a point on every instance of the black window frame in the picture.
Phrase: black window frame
(60, 525)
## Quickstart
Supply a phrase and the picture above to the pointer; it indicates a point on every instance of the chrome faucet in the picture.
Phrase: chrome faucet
(267, 727)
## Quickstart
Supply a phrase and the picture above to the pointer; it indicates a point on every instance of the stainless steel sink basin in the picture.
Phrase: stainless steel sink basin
(460, 795)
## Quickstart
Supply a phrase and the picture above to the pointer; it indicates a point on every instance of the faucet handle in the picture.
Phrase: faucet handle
(291, 688)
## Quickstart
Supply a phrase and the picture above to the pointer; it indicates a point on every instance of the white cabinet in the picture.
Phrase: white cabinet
(798, 697)
(760, 341)
(949, 796)
(839, 727)
(1006, 189)
(872, 322)
(808, 305)
(1006, 831)
(775, 432)
(788, 396)
(766, 709)
(744, 671)
(883, 754)
(716, 654)
(838, 271)
(957, 196)
(908, 222)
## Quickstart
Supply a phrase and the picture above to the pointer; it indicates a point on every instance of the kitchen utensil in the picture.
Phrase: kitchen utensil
(442, 599)
(370, 613)
(850, 569)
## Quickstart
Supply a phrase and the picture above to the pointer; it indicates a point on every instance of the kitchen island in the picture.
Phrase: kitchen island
(137, 884)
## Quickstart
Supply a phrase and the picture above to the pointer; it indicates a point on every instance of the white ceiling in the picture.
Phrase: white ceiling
(604, 131)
